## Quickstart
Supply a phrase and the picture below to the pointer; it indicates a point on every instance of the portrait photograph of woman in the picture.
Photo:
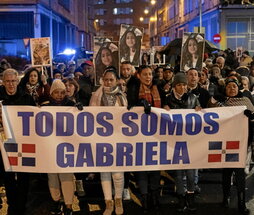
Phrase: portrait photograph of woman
(130, 44)
(158, 57)
(106, 56)
(192, 51)
(145, 57)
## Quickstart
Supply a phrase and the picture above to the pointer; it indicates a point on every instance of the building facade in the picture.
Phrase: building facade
(66, 22)
(232, 20)
(110, 14)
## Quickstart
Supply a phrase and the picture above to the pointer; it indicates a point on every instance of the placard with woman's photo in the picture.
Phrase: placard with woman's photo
(157, 57)
(145, 58)
(106, 54)
(130, 44)
(192, 52)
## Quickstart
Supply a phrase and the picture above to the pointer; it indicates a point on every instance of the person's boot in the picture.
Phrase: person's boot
(68, 211)
(109, 207)
(226, 201)
(190, 200)
(181, 203)
(155, 198)
(118, 206)
(56, 208)
(144, 202)
(241, 204)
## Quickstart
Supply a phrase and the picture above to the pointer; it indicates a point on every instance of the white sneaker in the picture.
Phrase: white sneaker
(126, 194)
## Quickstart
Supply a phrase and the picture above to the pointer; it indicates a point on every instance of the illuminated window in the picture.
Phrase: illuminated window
(125, 10)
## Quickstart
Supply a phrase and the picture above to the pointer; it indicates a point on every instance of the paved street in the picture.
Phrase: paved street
(208, 201)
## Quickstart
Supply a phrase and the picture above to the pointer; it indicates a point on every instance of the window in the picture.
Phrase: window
(188, 6)
(237, 33)
(122, 1)
(171, 12)
(102, 22)
(99, 2)
(119, 21)
(65, 4)
(100, 12)
(125, 10)
(161, 18)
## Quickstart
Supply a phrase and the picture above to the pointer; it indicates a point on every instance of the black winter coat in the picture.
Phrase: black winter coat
(133, 87)
(188, 101)
(19, 98)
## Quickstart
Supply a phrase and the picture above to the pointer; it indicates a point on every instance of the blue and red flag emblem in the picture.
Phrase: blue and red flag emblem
(217, 150)
(21, 154)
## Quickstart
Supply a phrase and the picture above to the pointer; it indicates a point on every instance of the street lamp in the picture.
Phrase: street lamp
(146, 11)
(153, 2)
(141, 19)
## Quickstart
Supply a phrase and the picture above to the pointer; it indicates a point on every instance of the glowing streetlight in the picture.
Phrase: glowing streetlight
(146, 11)
(152, 19)
(141, 19)
(97, 20)
(153, 2)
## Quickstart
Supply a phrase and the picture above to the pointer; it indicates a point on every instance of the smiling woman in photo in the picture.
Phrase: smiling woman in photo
(107, 56)
(192, 52)
(130, 45)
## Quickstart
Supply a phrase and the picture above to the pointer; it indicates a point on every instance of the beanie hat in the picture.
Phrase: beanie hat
(232, 79)
(179, 78)
(57, 84)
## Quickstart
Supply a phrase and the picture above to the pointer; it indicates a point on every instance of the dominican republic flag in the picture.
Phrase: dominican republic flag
(21, 154)
(227, 151)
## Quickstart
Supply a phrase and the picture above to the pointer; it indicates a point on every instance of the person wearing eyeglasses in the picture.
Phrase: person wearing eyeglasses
(16, 183)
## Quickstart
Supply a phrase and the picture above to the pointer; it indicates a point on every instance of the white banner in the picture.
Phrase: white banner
(108, 139)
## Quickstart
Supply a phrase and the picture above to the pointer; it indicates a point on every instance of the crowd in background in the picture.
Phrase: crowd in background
(224, 80)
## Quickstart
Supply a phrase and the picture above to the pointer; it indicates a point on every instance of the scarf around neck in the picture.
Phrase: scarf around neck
(112, 95)
(32, 89)
(151, 94)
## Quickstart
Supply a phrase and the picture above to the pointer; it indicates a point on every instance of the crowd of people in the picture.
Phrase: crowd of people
(222, 81)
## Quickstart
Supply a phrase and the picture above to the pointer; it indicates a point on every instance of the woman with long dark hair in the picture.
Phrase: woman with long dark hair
(107, 56)
(130, 45)
(192, 53)
(35, 84)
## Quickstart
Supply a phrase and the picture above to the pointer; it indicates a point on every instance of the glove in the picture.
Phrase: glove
(248, 113)
(79, 106)
(147, 106)
(129, 107)
(219, 98)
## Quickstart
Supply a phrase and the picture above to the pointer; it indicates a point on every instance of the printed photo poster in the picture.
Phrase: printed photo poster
(145, 57)
(192, 52)
(40, 51)
(106, 54)
(157, 57)
(239, 53)
(130, 44)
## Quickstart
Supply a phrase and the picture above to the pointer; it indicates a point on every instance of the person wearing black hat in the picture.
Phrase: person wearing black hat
(180, 98)
(168, 77)
(234, 97)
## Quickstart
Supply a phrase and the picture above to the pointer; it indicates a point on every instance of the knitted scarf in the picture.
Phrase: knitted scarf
(151, 94)
(112, 95)
(32, 90)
